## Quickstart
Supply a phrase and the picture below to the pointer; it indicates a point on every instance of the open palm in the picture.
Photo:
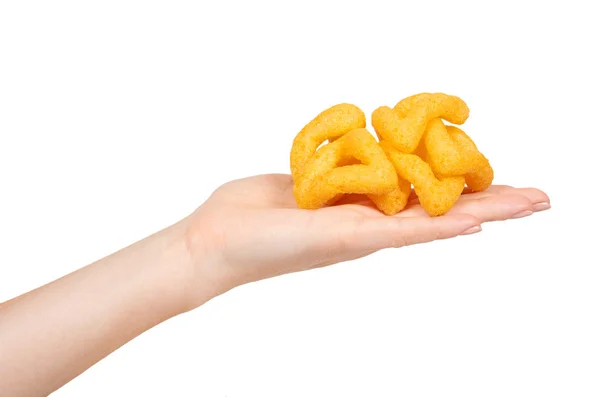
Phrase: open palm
(257, 230)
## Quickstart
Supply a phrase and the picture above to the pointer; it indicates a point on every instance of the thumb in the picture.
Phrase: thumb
(392, 232)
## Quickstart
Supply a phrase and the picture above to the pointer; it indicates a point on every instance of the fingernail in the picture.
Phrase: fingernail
(522, 214)
(471, 230)
(541, 206)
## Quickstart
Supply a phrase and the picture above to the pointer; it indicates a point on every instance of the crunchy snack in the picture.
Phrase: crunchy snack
(330, 124)
(416, 148)
(437, 196)
(352, 162)
(435, 158)
(405, 124)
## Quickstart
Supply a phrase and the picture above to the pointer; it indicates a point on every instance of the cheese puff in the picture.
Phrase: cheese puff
(457, 111)
(480, 174)
(342, 163)
(445, 156)
(437, 196)
(330, 124)
(403, 126)
(449, 151)
(395, 201)
(323, 180)
(421, 150)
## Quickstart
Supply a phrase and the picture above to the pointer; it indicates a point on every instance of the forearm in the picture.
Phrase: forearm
(50, 335)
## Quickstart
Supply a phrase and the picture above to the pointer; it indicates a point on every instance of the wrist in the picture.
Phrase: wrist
(199, 279)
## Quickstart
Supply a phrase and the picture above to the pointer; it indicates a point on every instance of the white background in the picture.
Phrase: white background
(118, 118)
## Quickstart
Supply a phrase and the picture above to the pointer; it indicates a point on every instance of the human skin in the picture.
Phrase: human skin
(249, 229)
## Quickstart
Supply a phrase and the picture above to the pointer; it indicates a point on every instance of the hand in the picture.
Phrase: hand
(251, 229)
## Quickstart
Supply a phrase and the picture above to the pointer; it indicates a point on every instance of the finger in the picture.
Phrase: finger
(468, 194)
(538, 198)
(387, 232)
(495, 208)
(491, 189)
(487, 209)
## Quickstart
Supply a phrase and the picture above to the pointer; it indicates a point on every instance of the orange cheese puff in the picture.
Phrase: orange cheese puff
(456, 110)
(437, 196)
(442, 153)
(450, 152)
(329, 124)
(480, 174)
(322, 180)
(395, 201)
(421, 150)
(342, 163)
(404, 125)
